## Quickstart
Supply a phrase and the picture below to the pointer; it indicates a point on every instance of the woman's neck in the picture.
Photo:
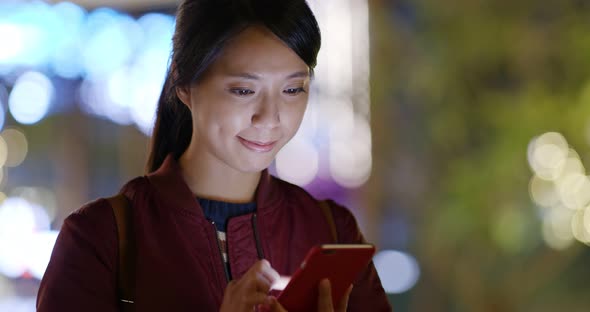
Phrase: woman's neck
(208, 177)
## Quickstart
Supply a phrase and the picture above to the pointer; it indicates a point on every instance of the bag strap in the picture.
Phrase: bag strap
(325, 207)
(126, 273)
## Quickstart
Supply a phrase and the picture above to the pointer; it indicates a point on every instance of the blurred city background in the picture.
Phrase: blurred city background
(456, 131)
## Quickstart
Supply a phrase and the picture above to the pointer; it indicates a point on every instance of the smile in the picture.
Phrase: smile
(259, 147)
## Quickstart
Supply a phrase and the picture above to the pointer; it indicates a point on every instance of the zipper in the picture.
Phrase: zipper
(257, 237)
(227, 278)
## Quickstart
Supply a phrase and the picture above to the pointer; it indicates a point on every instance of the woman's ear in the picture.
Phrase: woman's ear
(182, 92)
(184, 95)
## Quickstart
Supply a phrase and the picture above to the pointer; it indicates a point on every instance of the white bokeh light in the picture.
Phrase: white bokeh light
(543, 192)
(144, 101)
(298, 162)
(30, 32)
(547, 154)
(66, 60)
(350, 154)
(129, 93)
(574, 190)
(342, 81)
(31, 97)
(13, 42)
(12, 257)
(397, 270)
(111, 42)
(38, 252)
(557, 230)
(19, 223)
(17, 304)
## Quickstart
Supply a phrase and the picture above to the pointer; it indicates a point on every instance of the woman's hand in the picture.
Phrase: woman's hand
(324, 300)
(251, 289)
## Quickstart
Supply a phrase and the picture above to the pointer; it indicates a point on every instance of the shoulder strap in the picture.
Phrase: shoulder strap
(325, 206)
(126, 273)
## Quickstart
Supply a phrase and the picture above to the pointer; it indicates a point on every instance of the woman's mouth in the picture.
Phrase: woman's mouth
(259, 147)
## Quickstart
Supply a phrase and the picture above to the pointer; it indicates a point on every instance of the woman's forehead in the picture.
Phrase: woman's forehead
(256, 51)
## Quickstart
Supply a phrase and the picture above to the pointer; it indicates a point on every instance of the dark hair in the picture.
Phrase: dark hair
(202, 28)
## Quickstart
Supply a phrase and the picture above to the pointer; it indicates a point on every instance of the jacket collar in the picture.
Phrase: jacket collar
(170, 185)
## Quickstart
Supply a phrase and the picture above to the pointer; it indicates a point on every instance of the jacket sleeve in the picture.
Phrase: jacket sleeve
(367, 292)
(81, 272)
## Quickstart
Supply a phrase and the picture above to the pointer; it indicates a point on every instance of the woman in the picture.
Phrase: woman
(208, 212)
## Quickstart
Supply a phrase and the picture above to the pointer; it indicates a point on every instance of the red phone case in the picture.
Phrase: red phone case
(340, 263)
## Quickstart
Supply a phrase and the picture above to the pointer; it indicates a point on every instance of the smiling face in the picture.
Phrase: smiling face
(249, 103)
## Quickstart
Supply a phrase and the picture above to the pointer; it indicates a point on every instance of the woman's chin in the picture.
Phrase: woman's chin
(255, 165)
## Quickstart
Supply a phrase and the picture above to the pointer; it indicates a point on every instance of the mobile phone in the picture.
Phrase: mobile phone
(340, 263)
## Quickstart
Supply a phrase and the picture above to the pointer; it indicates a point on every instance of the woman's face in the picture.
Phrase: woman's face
(249, 103)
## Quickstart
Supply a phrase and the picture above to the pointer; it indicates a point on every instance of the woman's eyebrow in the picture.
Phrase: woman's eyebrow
(245, 76)
(300, 74)
(251, 76)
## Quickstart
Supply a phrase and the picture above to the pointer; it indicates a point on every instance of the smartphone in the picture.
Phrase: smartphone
(340, 263)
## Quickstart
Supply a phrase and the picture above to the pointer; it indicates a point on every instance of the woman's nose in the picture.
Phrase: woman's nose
(267, 113)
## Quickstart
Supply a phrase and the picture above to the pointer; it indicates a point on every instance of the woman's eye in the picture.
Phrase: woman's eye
(241, 92)
(294, 91)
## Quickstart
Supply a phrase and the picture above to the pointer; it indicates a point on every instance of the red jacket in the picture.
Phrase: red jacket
(178, 268)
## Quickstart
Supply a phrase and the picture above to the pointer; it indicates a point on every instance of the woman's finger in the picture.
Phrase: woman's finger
(254, 299)
(343, 304)
(325, 296)
(262, 284)
(260, 276)
(275, 306)
(269, 273)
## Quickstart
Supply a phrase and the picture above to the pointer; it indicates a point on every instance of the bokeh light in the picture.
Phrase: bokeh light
(586, 219)
(18, 304)
(350, 154)
(547, 154)
(66, 61)
(39, 196)
(17, 145)
(574, 190)
(19, 223)
(561, 187)
(3, 152)
(127, 92)
(31, 97)
(298, 162)
(110, 44)
(342, 81)
(3, 104)
(38, 252)
(397, 270)
(557, 230)
(32, 31)
(555, 241)
(571, 165)
(543, 192)
(12, 42)
(578, 228)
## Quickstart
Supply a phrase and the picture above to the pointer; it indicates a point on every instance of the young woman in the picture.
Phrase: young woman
(212, 229)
